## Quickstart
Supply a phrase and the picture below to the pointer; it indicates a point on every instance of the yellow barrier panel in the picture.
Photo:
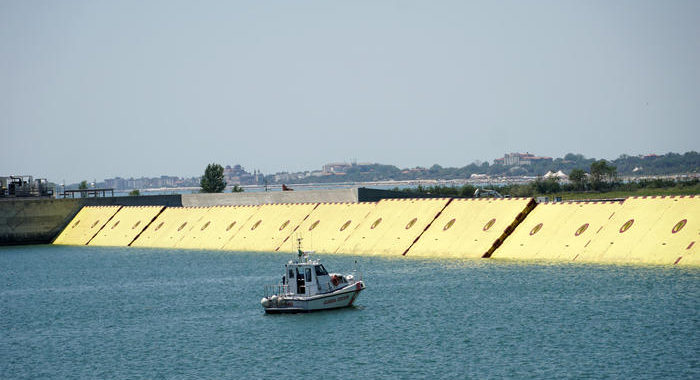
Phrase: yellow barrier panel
(579, 230)
(672, 239)
(468, 228)
(649, 230)
(687, 238)
(270, 227)
(170, 227)
(393, 226)
(618, 240)
(217, 226)
(126, 225)
(556, 231)
(85, 225)
(329, 225)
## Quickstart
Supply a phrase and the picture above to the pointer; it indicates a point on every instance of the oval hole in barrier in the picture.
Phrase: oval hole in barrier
(581, 230)
(679, 226)
(536, 229)
(284, 225)
(159, 226)
(136, 224)
(345, 225)
(230, 226)
(312, 226)
(254, 226)
(449, 224)
(115, 224)
(94, 224)
(75, 224)
(375, 224)
(204, 227)
(628, 224)
(182, 226)
(489, 224)
(411, 223)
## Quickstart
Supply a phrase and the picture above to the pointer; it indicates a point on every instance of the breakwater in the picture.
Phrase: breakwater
(640, 230)
(39, 221)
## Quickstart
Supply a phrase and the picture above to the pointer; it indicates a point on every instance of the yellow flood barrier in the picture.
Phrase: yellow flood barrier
(393, 226)
(85, 225)
(686, 231)
(557, 231)
(673, 238)
(126, 225)
(170, 227)
(218, 225)
(648, 230)
(329, 225)
(270, 227)
(469, 228)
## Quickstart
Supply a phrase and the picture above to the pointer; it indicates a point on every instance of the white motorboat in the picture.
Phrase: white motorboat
(307, 286)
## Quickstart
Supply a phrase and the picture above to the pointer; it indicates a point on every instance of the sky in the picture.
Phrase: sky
(99, 89)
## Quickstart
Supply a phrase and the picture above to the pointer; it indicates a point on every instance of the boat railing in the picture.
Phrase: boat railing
(358, 275)
(276, 289)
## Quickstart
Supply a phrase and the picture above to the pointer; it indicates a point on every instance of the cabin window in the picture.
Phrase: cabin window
(320, 270)
(291, 273)
(308, 274)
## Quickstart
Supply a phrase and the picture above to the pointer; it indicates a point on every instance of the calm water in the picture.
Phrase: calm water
(83, 312)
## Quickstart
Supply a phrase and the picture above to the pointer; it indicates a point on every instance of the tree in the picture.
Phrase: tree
(83, 185)
(213, 179)
(547, 185)
(135, 193)
(236, 189)
(578, 179)
(602, 174)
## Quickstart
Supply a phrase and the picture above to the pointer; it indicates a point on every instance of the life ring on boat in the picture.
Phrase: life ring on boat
(335, 280)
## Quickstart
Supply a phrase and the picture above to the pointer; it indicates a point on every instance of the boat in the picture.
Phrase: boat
(307, 286)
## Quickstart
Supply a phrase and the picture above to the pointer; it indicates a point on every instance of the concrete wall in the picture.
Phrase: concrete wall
(352, 195)
(259, 198)
(39, 221)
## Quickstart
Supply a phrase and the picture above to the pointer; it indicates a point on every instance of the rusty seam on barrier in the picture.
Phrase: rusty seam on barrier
(531, 205)
(146, 226)
(426, 227)
(103, 226)
(297, 227)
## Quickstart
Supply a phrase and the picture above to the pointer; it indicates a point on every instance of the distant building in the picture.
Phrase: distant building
(335, 168)
(237, 175)
(417, 169)
(119, 183)
(519, 159)
(340, 168)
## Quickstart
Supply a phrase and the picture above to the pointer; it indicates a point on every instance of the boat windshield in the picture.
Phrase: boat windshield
(320, 270)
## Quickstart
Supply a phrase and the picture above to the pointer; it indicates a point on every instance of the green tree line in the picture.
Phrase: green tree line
(667, 164)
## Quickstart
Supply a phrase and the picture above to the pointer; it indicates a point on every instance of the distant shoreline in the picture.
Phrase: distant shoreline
(385, 185)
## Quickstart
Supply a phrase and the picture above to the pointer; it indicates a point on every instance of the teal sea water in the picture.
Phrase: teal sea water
(127, 313)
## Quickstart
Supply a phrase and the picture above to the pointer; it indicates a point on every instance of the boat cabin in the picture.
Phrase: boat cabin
(310, 278)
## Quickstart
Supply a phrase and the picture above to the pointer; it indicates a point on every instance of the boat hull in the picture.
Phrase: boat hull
(340, 298)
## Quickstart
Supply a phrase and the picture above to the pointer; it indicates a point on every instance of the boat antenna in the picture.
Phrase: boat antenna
(300, 253)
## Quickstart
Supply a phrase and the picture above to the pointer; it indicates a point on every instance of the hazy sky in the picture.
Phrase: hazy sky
(97, 89)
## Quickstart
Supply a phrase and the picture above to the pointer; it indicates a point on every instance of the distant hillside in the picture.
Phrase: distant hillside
(667, 164)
